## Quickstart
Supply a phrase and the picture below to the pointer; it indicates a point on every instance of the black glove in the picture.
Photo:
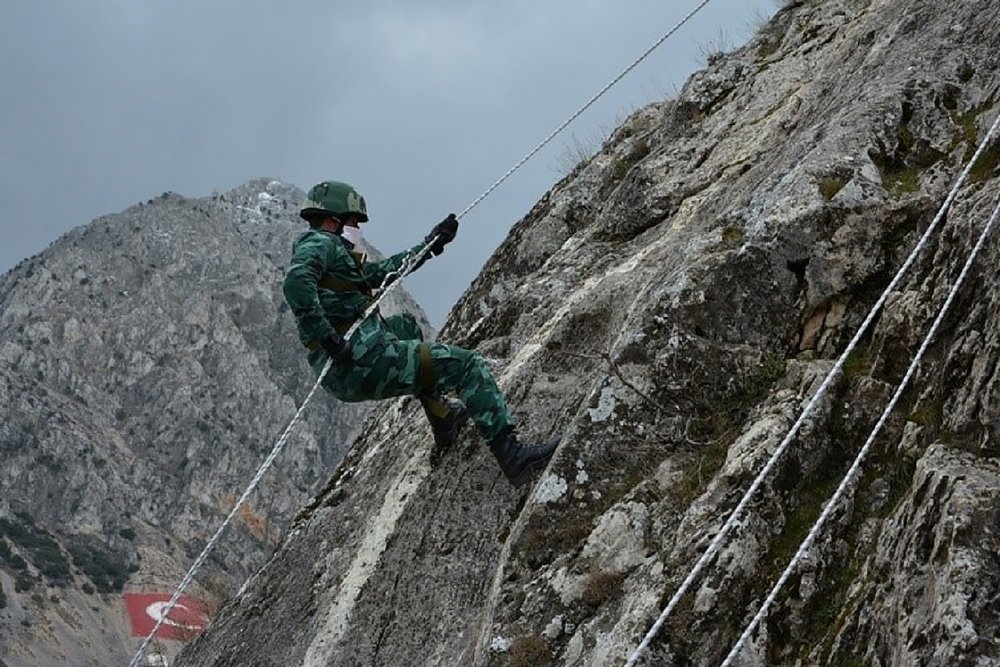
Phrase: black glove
(337, 349)
(445, 232)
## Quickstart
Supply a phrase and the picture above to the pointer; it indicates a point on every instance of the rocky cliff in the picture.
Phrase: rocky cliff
(147, 365)
(665, 311)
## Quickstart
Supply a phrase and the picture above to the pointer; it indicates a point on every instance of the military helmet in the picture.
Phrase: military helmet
(336, 199)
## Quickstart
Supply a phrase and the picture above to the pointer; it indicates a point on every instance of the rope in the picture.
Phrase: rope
(855, 468)
(218, 533)
(734, 517)
(586, 106)
(391, 280)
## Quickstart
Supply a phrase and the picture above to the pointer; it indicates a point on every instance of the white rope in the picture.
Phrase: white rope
(586, 106)
(409, 264)
(734, 517)
(855, 468)
(391, 280)
(218, 533)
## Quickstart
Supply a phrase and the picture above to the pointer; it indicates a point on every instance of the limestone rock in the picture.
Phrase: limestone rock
(695, 282)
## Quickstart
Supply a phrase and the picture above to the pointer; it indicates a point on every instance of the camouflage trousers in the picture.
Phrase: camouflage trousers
(387, 364)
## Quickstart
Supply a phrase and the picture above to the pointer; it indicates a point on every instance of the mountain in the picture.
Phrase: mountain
(666, 311)
(147, 365)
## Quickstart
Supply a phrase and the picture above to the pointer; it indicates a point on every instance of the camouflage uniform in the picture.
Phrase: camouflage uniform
(385, 351)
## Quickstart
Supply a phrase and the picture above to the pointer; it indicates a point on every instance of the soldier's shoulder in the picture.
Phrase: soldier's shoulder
(317, 239)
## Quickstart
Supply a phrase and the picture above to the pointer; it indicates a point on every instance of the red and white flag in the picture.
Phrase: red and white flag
(186, 620)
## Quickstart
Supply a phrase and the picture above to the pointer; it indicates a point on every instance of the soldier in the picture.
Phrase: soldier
(329, 284)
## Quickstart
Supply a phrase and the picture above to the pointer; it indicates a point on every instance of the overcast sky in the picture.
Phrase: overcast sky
(420, 104)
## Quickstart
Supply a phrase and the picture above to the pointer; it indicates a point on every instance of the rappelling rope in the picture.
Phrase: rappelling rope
(586, 106)
(390, 281)
(734, 517)
(855, 468)
(200, 560)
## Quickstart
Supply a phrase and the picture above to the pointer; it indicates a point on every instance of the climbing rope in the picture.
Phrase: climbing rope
(200, 560)
(855, 468)
(736, 514)
(586, 106)
(391, 280)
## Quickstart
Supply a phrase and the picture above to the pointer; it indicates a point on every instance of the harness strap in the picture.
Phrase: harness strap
(434, 405)
(335, 284)
(426, 368)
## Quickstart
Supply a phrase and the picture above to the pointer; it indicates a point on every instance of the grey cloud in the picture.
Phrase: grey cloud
(421, 105)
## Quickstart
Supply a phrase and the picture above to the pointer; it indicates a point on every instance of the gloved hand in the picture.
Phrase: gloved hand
(337, 349)
(445, 232)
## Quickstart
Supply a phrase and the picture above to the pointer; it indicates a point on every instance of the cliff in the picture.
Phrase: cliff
(665, 311)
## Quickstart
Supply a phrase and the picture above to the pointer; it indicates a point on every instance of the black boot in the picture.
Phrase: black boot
(519, 461)
(446, 418)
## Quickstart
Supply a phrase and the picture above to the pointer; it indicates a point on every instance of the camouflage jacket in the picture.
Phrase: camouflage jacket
(319, 256)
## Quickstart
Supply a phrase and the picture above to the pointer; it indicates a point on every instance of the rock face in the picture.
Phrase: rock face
(148, 364)
(666, 311)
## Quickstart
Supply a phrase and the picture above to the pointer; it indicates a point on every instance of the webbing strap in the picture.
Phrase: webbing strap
(434, 405)
(426, 368)
(335, 284)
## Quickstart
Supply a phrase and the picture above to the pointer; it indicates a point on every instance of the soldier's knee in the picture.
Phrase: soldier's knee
(476, 365)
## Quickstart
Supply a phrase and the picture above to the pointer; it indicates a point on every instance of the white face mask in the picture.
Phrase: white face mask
(352, 234)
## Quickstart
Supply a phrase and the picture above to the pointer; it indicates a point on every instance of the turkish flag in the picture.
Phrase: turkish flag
(188, 617)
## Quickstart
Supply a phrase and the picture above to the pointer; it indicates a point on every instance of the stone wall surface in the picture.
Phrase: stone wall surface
(665, 311)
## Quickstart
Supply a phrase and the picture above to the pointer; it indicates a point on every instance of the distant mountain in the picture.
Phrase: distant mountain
(147, 365)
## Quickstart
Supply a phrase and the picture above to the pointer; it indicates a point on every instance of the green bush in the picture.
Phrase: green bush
(14, 531)
(127, 533)
(50, 560)
(38, 545)
(831, 185)
(101, 566)
(22, 583)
